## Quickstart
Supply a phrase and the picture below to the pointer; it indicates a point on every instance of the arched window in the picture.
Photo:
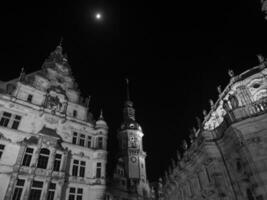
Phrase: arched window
(43, 158)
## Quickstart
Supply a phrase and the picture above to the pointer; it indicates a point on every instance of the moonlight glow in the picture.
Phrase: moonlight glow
(98, 16)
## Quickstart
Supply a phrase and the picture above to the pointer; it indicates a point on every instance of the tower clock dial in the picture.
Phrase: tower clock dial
(133, 159)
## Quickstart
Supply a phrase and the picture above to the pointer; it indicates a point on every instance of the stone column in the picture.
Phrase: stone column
(45, 188)
(59, 190)
(15, 173)
(27, 186)
(51, 160)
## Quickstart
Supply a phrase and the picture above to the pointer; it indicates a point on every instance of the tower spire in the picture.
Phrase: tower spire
(127, 90)
(61, 41)
(128, 111)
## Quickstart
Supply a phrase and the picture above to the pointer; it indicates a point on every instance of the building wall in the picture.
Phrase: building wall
(47, 120)
(226, 157)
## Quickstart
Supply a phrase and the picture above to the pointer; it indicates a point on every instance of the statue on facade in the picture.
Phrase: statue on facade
(184, 145)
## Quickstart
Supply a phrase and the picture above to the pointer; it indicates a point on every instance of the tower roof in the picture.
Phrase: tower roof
(129, 121)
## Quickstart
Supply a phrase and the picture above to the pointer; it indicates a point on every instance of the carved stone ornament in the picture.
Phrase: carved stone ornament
(51, 119)
(55, 103)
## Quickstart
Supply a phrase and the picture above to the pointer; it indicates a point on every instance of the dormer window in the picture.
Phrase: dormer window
(29, 98)
(74, 113)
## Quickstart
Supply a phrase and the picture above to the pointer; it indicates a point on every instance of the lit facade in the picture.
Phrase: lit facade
(264, 7)
(129, 181)
(50, 146)
(226, 158)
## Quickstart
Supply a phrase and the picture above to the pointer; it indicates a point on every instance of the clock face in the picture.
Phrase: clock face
(133, 159)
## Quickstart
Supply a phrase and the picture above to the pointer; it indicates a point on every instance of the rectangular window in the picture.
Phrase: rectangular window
(75, 193)
(2, 147)
(82, 139)
(36, 190)
(98, 170)
(16, 122)
(29, 98)
(78, 168)
(82, 168)
(27, 157)
(80, 194)
(75, 167)
(57, 162)
(89, 141)
(100, 143)
(74, 138)
(18, 189)
(51, 191)
(4, 121)
(74, 113)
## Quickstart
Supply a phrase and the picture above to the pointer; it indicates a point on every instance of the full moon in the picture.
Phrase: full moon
(98, 16)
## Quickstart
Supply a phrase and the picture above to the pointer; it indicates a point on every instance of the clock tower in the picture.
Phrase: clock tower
(130, 173)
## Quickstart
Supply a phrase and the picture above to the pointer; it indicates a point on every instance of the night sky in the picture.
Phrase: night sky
(175, 54)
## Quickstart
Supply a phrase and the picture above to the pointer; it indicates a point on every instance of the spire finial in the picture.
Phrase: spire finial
(87, 102)
(219, 89)
(21, 75)
(61, 41)
(231, 73)
(127, 90)
(101, 114)
(261, 59)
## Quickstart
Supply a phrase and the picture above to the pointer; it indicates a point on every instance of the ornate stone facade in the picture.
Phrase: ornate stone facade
(51, 148)
(226, 157)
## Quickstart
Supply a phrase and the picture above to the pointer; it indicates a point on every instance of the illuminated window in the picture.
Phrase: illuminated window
(43, 158)
(75, 193)
(29, 98)
(36, 190)
(2, 147)
(98, 170)
(18, 189)
(27, 157)
(82, 139)
(78, 168)
(57, 162)
(5, 119)
(51, 191)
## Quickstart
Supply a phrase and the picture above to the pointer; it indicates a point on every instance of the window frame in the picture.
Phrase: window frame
(34, 189)
(57, 160)
(5, 120)
(78, 168)
(2, 149)
(18, 190)
(10, 120)
(98, 170)
(29, 98)
(27, 157)
(76, 193)
(89, 141)
(51, 191)
(100, 142)
(45, 156)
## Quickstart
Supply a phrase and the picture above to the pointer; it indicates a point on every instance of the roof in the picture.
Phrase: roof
(49, 132)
